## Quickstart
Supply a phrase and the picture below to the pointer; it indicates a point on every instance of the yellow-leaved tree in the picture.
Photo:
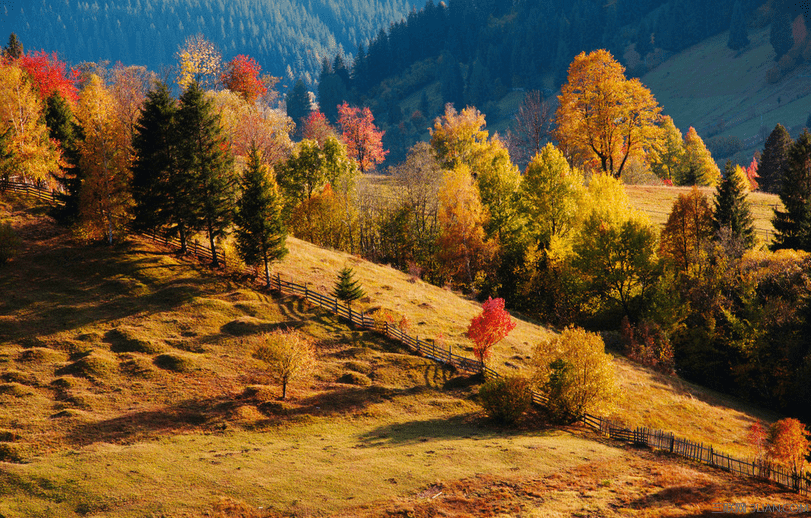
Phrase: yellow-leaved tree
(25, 148)
(604, 118)
(199, 61)
(699, 168)
(105, 158)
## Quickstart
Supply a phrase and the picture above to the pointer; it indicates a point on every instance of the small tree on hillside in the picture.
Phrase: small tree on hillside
(788, 443)
(793, 224)
(347, 288)
(289, 356)
(491, 326)
(364, 142)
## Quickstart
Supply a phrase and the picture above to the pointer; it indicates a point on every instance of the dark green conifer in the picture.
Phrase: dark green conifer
(780, 34)
(793, 224)
(13, 49)
(732, 210)
(63, 128)
(347, 288)
(260, 231)
(738, 33)
(774, 160)
(204, 155)
(298, 105)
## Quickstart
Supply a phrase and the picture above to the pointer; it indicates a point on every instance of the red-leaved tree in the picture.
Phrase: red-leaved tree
(242, 76)
(489, 328)
(318, 128)
(364, 142)
(49, 75)
(751, 175)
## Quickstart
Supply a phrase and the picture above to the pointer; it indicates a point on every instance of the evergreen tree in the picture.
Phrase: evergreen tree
(13, 49)
(780, 35)
(732, 210)
(453, 86)
(63, 128)
(298, 105)
(260, 232)
(347, 288)
(738, 34)
(793, 225)
(204, 156)
(774, 159)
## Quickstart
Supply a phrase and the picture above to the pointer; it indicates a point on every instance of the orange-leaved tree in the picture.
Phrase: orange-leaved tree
(364, 142)
(604, 117)
(788, 443)
(491, 326)
(241, 76)
(688, 226)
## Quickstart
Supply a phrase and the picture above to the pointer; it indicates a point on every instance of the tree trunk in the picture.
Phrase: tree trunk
(214, 262)
(267, 270)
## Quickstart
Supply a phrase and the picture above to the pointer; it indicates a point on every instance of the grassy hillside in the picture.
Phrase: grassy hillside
(725, 92)
(128, 389)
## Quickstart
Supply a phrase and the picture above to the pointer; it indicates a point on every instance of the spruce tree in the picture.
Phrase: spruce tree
(63, 128)
(204, 155)
(774, 160)
(347, 288)
(298, 105)
(732, 210)
(793, 225)
(13, 49)
(163, 195)
(738, 34)
(260, 231)
(780, 34)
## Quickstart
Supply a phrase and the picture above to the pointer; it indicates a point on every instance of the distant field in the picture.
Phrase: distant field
(657, 202)
(129, 389)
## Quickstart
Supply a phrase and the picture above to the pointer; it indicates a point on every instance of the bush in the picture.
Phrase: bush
(648, 345)
(506, 399)
(575, 373)
(9, 243)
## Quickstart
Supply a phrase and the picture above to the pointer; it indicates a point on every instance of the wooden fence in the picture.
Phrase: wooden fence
(656, 439)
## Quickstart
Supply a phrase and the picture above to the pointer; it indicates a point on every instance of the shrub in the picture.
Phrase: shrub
(9, 243)
(506, 399)
(648, 345)
(575, 373)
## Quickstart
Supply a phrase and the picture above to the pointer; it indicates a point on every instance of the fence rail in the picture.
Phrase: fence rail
(656, 439)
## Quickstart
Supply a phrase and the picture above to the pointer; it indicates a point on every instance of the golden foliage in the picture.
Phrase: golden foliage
(604, 118)
(289, 355)
(688, 226)
(200, 61)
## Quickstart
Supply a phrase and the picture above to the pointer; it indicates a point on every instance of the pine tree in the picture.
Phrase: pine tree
(63, 128)
(204, 156)
(738, 34)
(732, 209)
(780, 34)
(260, 232)
(298, 104)
(13, 49)
(347, 288)
(774, 160)
(793, 225)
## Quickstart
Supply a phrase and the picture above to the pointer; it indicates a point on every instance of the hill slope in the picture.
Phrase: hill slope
(108, 427)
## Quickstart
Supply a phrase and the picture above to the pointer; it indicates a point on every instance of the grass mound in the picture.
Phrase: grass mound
(14, 389)
(15, 376)
(246, 325)
(176, 362)
(42, 355)
(96, 365)
(125, 339)
(137, 367)
(355, 378)
(10, 453)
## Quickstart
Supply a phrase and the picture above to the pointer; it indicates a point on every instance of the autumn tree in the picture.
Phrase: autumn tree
(667, 159)
(699, 167)
(489, 327)
(462, 248)
(787, 443)
(260, 232)
(792, 224)
(27, 149)
(531, 128)
(573, 370)
(199, 61)
(689, 225)
(363, 140)
(105, 163)
(205, 156)
(317, 127)
(129, 86)
(733, 213)
(242, 75)
(551, 194)
(49, 75)
(289, 356)
(774, 160)
(602, 115)
(347, 288)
